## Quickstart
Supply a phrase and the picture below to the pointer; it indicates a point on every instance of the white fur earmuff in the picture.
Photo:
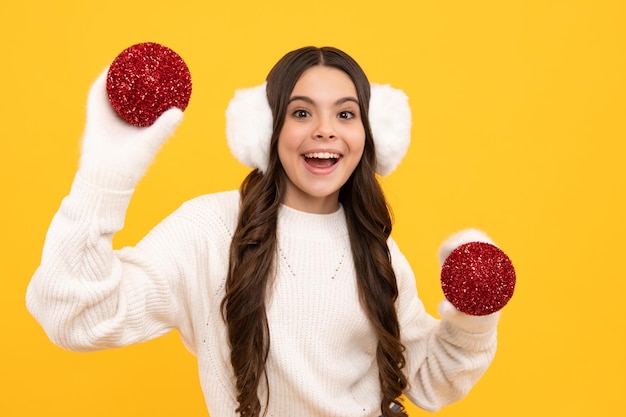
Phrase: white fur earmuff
(390, 120)
(249, 126)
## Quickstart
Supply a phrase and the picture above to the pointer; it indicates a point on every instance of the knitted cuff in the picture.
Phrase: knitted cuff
(107, 179)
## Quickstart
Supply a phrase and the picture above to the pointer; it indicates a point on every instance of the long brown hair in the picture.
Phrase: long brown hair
(253, 248)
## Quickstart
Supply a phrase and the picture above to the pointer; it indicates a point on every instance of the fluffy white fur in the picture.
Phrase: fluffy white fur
(390, 120)
(469, 323)
(460, 238)
(111, 146)
(249, 126)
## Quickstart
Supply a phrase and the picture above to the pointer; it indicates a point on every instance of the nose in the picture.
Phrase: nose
(324, 130)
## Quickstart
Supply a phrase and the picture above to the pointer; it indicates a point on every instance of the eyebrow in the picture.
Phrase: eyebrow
(310, 101)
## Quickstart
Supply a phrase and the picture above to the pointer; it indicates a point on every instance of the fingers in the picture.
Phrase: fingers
(471, 324)
(168, 121)
(165, 125)
(99, 109)
(458, 239)
(98, 88)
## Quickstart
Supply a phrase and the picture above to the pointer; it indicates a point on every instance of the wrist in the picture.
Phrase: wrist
(107, 178)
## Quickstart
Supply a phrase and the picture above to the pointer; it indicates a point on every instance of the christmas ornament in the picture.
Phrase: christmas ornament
(478, 278)
(145, 80)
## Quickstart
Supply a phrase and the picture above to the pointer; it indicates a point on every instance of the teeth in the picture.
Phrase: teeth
(322, 155)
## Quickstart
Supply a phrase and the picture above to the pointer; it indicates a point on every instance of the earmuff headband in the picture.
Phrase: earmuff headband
(249, 126)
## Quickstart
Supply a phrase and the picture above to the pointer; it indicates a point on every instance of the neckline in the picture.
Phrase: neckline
(311, 226)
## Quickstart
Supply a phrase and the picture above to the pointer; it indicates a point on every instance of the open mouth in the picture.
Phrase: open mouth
(321, 159)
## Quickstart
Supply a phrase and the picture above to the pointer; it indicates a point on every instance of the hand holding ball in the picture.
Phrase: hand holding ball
(478, 278)
(145, 80)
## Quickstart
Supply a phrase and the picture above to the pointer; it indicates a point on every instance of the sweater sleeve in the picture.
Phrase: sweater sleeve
(444, 358)
(88, 296)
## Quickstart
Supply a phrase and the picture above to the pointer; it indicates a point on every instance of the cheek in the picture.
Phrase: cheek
(356, 141)
(290, 137)
(288, 146)
(358, 147)
(281, 150)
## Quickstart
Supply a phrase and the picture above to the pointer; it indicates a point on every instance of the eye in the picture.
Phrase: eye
(300, 114)
(347, 115)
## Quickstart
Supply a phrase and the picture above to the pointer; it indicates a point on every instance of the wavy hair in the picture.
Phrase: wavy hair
(253, 248)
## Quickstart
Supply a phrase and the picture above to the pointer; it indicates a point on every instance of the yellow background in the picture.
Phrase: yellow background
(519, 129)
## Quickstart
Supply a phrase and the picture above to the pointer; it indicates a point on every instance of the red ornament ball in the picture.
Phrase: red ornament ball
(145, 80)
(478, 278)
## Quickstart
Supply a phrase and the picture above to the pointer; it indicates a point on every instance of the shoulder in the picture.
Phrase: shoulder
(211, 210)
(220, 201)
(394, 251)
(401, 265)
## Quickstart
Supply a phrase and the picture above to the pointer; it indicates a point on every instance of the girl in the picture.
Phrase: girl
(290, 291)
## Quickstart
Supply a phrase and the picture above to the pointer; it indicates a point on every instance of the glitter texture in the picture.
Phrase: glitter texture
(145, 80)
(478, 278)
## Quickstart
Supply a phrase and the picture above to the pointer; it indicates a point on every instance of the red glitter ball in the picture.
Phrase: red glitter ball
(145, 80)
(478, 278)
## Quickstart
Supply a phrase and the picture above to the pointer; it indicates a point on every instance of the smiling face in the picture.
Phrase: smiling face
(322, 139)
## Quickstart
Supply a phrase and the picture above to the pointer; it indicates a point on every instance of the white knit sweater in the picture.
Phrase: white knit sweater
(88, 296)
